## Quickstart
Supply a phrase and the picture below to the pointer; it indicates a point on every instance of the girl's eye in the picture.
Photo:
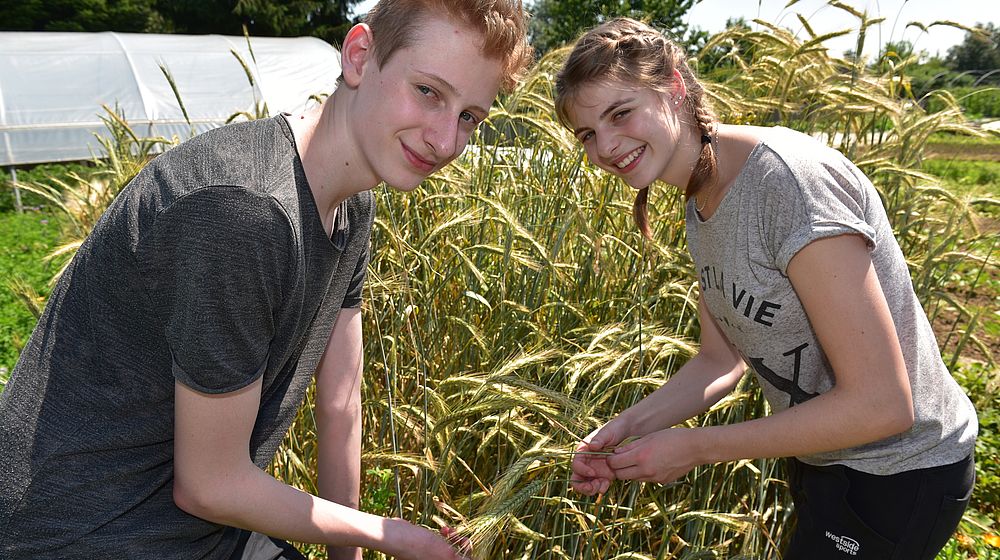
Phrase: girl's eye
(424, 90)
(468, 117)
(621, 114)
(586, 136)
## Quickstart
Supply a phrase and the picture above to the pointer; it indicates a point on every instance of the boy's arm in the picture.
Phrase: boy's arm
(338, 417)
(215, 479)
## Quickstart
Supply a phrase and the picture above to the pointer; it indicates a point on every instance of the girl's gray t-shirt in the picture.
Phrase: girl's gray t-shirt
(794, 190)
(211, 268)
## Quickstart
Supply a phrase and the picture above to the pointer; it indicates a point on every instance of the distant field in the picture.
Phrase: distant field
(946, 146)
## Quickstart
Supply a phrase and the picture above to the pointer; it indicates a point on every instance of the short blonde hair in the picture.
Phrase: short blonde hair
(502, 24)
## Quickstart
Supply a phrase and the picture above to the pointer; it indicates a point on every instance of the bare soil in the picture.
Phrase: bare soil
(977, 152)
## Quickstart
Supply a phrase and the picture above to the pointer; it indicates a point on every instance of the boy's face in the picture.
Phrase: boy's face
(418, 111)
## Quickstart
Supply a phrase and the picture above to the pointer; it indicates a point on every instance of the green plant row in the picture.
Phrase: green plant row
(976, 102)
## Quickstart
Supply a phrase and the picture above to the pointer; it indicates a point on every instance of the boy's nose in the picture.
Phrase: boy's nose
(441, 136)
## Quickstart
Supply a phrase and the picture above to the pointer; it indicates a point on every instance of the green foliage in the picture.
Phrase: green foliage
(25, 240)
(555, 23)
(976, 102)
(980, 51)
(982, 383)
(327, 19)
(76, 15)
(35, 174)
(380, 493)
(977, 178)
(263, 18)
(928, 75)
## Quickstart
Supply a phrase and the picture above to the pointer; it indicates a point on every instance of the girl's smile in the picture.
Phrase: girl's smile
(625, 164)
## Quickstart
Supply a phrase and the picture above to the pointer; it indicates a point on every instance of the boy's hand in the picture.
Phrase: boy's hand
(462, 543)
(406, 541)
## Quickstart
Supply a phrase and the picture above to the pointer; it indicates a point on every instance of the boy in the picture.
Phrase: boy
(175, 350)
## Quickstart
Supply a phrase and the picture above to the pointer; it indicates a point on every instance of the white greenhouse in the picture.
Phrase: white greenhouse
(53, 86)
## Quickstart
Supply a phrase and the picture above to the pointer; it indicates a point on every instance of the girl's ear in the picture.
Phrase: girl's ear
(678, 89)
(355, 53)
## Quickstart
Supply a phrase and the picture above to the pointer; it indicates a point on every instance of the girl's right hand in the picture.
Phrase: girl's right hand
(406, 541)
(590, 471)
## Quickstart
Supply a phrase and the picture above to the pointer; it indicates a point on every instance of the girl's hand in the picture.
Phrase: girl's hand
(591, 473)
(662, 456)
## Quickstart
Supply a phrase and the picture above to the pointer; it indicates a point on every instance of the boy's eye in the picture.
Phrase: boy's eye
(621, 114)
(424, 90)
(586, 136)
(468, 117)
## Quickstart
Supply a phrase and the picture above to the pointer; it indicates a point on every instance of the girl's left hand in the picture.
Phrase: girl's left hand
(662, 456)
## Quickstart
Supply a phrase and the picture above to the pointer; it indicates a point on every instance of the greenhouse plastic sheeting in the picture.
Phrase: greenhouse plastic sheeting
(53, 86)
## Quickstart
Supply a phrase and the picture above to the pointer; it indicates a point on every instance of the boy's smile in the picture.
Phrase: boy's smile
(422, 106)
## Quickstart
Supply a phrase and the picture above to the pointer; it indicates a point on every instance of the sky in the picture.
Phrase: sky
(711, 15)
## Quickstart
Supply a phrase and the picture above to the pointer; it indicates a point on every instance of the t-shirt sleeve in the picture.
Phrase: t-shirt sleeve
(215, 265)
(362, 210)
(354, 289)
(819, 199)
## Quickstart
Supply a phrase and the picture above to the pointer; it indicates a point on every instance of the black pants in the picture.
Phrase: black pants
(255, 546)
(847, 514)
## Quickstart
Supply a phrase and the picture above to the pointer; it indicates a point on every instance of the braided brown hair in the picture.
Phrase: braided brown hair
(628, 51)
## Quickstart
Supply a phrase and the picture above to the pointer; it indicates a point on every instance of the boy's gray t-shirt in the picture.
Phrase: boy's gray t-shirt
(794, 190)
(211, 268)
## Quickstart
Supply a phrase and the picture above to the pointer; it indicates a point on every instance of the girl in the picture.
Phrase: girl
(802, 280)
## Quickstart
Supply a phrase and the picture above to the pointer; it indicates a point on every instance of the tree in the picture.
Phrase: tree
(558, 22)
(980, 51)
(75, 15)
(327, 19)
(721, 58)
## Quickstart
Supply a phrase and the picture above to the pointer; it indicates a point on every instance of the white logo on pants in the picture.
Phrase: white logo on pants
(846, 545)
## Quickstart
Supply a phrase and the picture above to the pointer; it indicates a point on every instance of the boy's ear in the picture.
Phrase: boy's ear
(355, 52)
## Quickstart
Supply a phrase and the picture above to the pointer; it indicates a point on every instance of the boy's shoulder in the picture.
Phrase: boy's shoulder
(259, 156)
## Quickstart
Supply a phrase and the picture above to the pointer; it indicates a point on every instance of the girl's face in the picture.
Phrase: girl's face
(631, 131)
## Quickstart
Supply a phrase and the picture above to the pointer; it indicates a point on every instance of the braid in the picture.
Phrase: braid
(640, 212)
(706, 169)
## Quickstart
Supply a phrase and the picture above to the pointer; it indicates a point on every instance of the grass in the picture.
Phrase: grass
(34, 174)
(973, 178)
(25, 239)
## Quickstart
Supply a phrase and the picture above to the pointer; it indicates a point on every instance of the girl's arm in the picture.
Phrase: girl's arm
(705, 379)
(840, 291)
(700, 383)
(836, 282)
